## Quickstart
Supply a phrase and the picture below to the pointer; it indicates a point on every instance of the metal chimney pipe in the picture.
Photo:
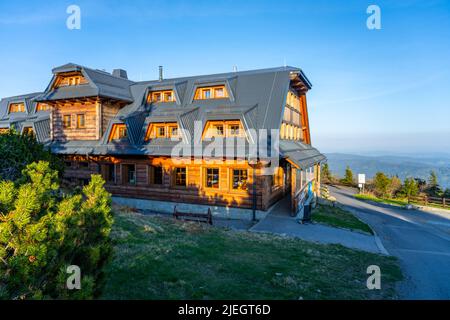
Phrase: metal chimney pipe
(160, 73)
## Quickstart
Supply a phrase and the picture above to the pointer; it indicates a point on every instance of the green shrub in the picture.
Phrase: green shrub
(41, 233)
(19, 150)
(381, 183)
(348, 180)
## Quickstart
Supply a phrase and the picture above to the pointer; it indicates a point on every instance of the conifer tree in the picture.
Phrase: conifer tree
(42, 233)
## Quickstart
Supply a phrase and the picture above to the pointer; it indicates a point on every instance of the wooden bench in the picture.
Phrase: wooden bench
(189, 216)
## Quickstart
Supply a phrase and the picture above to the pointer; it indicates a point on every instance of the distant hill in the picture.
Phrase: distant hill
(402, 166)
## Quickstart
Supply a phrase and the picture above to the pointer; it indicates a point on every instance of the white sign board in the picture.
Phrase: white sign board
(361, 178)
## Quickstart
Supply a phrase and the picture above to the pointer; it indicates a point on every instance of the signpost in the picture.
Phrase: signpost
(361, 182)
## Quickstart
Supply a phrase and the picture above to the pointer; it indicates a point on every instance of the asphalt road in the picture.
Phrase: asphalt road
(419, 239)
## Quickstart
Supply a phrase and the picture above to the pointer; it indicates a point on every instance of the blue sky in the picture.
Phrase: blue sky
(373, 90)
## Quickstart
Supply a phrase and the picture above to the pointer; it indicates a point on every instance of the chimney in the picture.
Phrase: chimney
(120, 73)
(160, 73)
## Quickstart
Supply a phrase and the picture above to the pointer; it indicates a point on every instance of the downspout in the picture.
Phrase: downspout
(254, 193)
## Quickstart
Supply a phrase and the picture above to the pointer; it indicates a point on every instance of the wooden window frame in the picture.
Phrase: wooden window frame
(79, 115)
(153, 132)
(105, 170)
(42, 107)
(70, 80)
(215, 127)
(155, 95)
(215, 89)
(65, 126)
(122, 132)
(158, 131)
(206, 93)
(174, 178)
(200, 92)
(163, 96)
(208, 134)
(115, 132)
(151, 177)
(16, 107)
(205, 178)
(234, 123)
(232, 180)
(28, 130)
(169, 131)
(122, 175)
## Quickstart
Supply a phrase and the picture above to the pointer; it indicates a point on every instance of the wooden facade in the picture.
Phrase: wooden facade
(126, 130)
(134, 177)
(66, 119)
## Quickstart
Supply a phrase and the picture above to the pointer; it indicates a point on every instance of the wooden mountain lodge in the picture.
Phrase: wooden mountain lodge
(127, 131)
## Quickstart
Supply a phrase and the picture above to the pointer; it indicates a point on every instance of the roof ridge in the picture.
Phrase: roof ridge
(231, 73)
(23, 96)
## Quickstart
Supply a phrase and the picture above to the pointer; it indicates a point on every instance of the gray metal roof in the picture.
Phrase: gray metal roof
(100, 84)
(256, 97)
(39, 121)
(301, 154)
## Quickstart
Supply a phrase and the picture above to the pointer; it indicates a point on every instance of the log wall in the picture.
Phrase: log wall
(93, 111)
(195, 191)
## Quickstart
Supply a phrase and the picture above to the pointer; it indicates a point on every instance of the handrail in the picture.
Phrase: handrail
(303, 187)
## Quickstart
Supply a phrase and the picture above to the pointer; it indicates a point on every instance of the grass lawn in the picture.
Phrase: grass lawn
(159, 258)
(337, 217)
(397, 202)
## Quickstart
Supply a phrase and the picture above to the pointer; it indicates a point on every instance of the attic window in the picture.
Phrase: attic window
(70, 80)
(215, 92)
(42, 107)
(161, 96)
(16, 107)
(28, 131)
(231, 128)
(165, 130)
(118, 132)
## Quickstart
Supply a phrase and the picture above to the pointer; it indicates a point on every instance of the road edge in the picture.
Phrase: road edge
(378, 241)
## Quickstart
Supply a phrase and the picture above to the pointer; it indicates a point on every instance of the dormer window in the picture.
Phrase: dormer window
(16, 107)
(217, 130)
(172, 130)
(168, 96)
(234, 130)
(161, 96)
(70, 80)
(215, 92)
(205, 94)
(164, 130)
(231, 128)
(28, 131)
(219, 92)
(118, 132)
(42, 107)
